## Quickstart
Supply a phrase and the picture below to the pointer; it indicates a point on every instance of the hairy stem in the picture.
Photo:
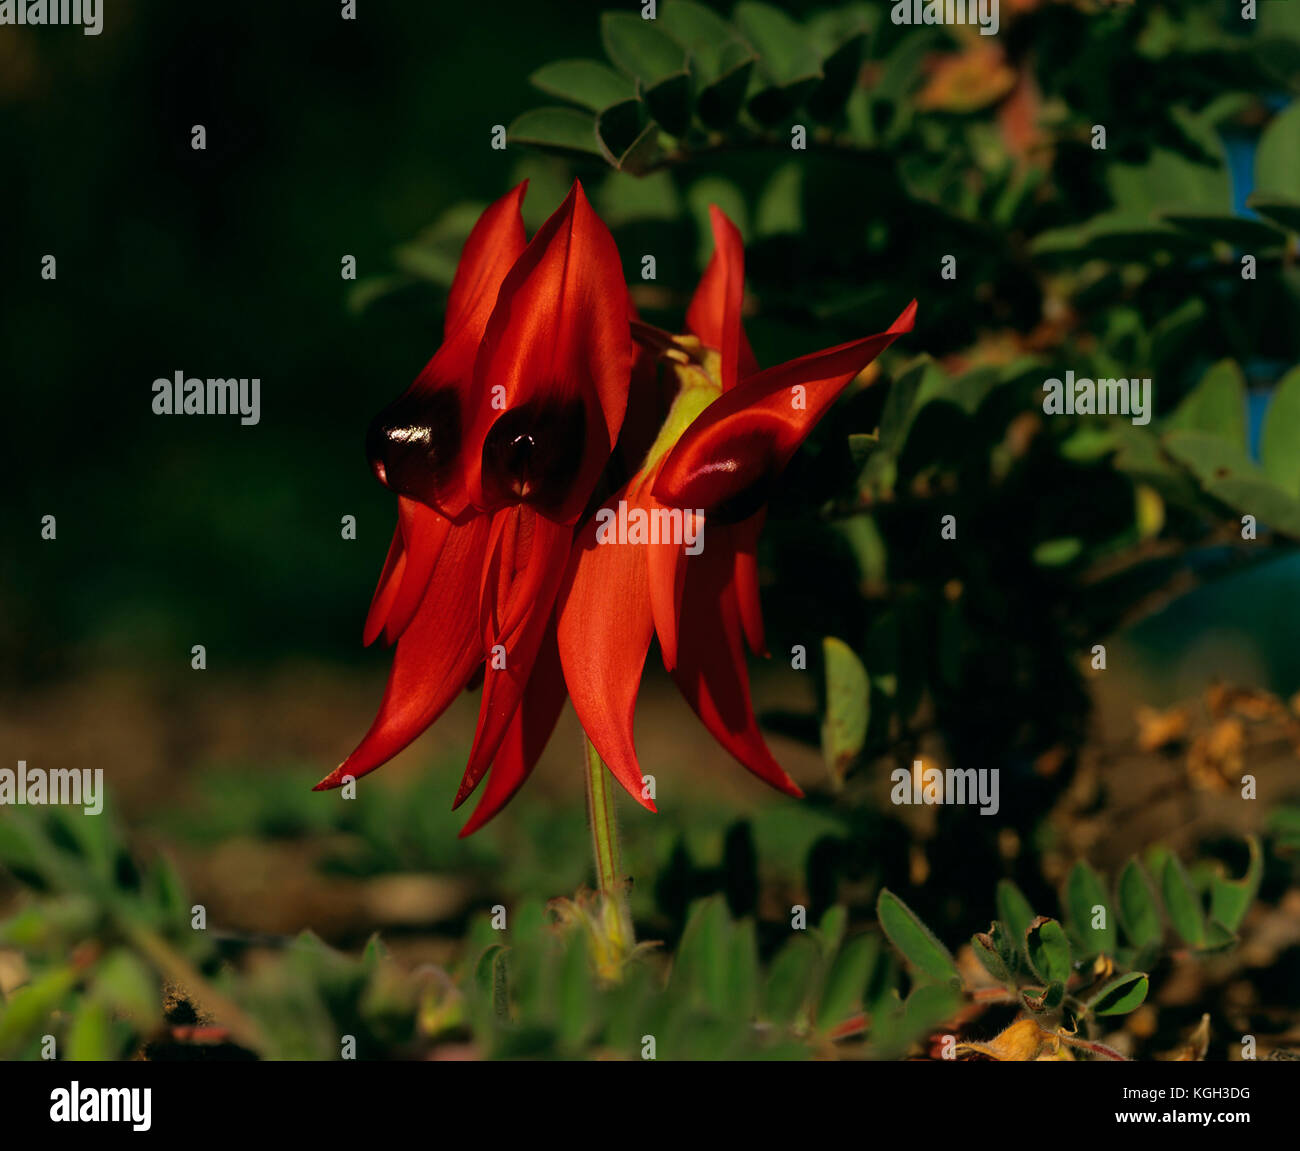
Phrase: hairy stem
(604, 840)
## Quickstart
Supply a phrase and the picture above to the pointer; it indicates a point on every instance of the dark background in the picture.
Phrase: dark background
(324, 138)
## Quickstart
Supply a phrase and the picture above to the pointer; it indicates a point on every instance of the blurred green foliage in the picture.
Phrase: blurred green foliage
(118, 966)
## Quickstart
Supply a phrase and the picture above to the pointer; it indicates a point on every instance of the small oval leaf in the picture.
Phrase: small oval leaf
(1120, 996)
(917, 943)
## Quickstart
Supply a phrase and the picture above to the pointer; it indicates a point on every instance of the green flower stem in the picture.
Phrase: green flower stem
(604, 840)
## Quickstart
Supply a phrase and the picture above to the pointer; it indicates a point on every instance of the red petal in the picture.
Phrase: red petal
(551, 378)
(711, 670)
(538, 550)
(745, 535)
(714, 313)
(527, 735)
(496, 241)
(745, 437)
(390, 580)
(527, 553)
(667, 564)
(435, 657)
(424, 532)
(413, 445)
(604, 634)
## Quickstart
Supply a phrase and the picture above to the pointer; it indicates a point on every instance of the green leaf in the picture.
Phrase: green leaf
(1216, 405)
(1084, 893)
(1138, 911)
(839, 75)
(1171, 180)
(1277, 159)
(743, 972)
(1279, 442)
(564, 130)
(125, 985)
(848, 707)
(780, 206)
(1014, 909)
(639, 49)
(846, 982)
(788, 63)
(987, 951)
(168, 895)
(700, 966)
(1182, 903)
(721, 61)
(1284, 825)
(491, 979)
(587, 82)
(1240, 231)
(920, 383)
(1210, 457)
(669, 102)
(90, 1038)
(19, 846)
(927, 1007)
(1047, 998)
(627, 139)
(1120, 996)
(1119, 235)
(790, 980)
(784, 48)
(1048, 950)
(831, 929)
(719, 103)
(1173, 330)
(1218, 937)
(28, 1010)
(916, 942)
(1258, 497)
(1283, 212)
(576, 1001)
(375, 952)
(704, 34)
(1230, 899)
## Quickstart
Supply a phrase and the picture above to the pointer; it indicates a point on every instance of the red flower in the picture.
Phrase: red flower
(494, 451)
(729, 434)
